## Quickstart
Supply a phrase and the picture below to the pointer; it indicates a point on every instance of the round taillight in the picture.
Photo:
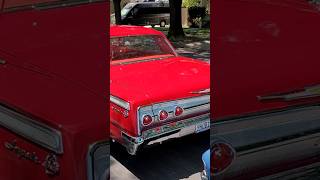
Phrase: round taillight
(163, 115)
(178, 111)
(146, 120)
(222, 155)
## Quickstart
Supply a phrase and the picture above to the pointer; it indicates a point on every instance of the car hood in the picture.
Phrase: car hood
(159, 80)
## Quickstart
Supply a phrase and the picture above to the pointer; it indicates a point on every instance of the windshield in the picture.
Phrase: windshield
(125, 10)
(14, 5)
(141, 47)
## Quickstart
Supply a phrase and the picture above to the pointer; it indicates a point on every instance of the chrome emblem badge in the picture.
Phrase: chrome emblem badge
(51, 165)
(21, 153)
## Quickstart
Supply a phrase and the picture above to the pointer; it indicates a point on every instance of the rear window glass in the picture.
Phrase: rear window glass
(131, 47)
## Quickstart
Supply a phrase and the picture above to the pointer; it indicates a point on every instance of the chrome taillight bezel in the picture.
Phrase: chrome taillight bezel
(98, 147)
(233, 151)
(159, 115)
(152, 120)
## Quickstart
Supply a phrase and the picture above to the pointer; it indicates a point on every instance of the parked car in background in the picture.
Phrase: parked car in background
(146, 13)
(155, 94)
(266, 89)
(53, 117)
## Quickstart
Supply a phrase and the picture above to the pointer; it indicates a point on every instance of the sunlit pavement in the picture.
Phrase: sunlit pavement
(172, 160)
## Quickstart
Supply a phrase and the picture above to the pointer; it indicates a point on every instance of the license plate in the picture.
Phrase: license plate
(202, 126)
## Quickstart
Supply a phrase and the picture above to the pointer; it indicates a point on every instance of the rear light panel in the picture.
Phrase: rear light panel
(171, 110)
(221, 157)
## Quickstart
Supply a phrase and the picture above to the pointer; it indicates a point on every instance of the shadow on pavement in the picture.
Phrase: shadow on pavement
(171, 160)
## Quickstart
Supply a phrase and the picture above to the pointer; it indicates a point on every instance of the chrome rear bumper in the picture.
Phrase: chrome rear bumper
(165, 132)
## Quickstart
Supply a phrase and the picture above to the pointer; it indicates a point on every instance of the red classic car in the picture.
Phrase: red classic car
(155, 93)
(266, 89)
(53, 116)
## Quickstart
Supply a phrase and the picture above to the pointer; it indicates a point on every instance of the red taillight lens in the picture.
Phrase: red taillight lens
(178, 111)
(221, 156)
(163, 115)
(146, 120)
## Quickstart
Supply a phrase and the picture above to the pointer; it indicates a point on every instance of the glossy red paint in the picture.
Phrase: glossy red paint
(55, 73)
(262, 48)
(149, 82)
(124, 30)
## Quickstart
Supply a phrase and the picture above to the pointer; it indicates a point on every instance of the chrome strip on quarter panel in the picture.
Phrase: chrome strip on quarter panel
(120, 102)
(32, 130)
(252, 130)
(269, 140)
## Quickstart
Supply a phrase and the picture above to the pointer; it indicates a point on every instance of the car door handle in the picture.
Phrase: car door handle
(307, 92)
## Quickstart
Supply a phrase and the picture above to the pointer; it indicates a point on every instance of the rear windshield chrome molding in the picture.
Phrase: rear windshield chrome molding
(32, 130)
(120, 102)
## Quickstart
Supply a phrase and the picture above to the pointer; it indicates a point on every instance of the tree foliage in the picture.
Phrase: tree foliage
(190, 3)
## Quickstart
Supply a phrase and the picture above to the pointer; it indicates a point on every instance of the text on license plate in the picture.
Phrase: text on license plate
(202, 126)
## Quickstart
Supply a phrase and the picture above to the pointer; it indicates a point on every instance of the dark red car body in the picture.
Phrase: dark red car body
(53, 84)
(155, 84)
(265, 87)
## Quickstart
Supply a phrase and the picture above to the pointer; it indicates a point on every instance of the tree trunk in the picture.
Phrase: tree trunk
(117, 11)
(175, 30)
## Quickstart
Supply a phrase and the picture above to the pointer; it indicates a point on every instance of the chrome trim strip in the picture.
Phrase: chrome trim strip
(282, 136)
(120, 102)
(306, 92)
(50, 5)
(201, 118)
(32, 130)
(296, 173)
(268, 127)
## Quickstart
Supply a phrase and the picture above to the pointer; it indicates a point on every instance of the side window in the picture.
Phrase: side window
(134, 11)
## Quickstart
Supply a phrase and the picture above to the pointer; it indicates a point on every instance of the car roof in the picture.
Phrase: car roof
(124, 30)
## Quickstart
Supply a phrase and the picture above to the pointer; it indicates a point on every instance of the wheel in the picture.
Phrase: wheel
(152, 25)
(162, 23)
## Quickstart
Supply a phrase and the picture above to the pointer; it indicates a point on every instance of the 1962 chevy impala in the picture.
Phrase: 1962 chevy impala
(53, 116)
(155, 94)
(266, 89)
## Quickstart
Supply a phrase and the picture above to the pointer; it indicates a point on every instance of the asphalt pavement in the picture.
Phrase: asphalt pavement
(172, 160)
